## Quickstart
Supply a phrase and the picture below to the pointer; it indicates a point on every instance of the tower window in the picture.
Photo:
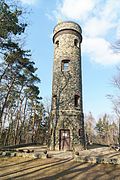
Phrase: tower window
(76, 43)
(77, 100)
(65, 65)
(51, 131)
(54, 102)
(80, 132)
(57, 43)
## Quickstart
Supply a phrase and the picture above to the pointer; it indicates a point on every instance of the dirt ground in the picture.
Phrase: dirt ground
(55, 169)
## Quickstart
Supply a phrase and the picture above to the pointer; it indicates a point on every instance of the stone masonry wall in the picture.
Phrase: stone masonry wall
(67, 84)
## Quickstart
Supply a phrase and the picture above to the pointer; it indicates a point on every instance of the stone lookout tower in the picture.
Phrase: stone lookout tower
(67, 125)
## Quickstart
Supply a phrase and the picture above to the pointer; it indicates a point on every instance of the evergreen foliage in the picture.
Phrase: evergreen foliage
(22, 115)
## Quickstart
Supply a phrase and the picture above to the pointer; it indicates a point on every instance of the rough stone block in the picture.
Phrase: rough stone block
(113, 161)
(40, 155)
(4, 153)
(13, 154)
(49, 156)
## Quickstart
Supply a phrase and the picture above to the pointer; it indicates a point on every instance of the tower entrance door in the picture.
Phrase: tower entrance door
(64, 139)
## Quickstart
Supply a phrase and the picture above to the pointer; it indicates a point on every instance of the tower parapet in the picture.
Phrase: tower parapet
(65, 27)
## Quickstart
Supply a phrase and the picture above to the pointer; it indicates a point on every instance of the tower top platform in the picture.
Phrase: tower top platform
(67, 25)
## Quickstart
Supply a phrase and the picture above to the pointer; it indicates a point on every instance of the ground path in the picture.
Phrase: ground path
(61, 166)
(55, 169)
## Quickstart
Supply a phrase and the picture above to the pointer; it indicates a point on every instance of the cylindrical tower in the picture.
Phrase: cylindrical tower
(67, 125)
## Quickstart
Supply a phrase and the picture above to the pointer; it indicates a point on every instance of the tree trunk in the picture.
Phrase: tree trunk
(4, 105)
(119, 132)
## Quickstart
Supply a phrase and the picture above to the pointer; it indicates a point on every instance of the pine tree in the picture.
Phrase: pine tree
(18, 80)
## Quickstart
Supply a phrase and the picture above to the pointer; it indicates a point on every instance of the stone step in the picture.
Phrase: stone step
(61, 154)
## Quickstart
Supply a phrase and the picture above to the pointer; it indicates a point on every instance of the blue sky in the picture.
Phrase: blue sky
(100, 22)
